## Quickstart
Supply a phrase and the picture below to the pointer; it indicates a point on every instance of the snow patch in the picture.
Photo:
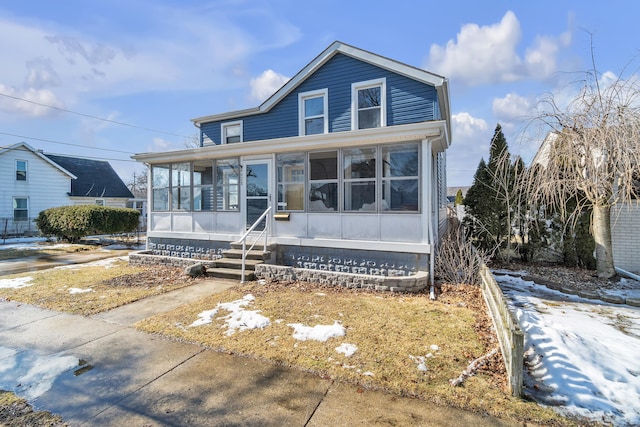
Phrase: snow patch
(420, 362)
(318, 333)
(347, 349)
(239, 319)
(17, 283)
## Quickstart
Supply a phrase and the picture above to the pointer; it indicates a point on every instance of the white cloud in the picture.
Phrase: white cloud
(512, 106)
(266, 84)
(172, 53)
(487, 54)
(471, 137)
(26, 102)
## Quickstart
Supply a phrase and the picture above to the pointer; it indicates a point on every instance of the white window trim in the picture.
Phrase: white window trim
(224, 126)
(26, 170)
(301, 113)
(355, 87)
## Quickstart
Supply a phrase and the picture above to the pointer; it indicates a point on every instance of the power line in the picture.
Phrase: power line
(17, 98)
(63, 143)
(26, 150)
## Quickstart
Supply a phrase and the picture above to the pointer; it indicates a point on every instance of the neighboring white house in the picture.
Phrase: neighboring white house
(349, 153)
(32, 181)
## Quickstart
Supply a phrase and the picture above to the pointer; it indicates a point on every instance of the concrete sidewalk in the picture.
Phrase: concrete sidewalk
(100, 371)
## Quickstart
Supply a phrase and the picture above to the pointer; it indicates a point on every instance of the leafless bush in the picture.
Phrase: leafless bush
(458, 261)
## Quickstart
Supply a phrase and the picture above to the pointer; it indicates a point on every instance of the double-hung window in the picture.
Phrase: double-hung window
(359, 179)
(323, 181)
(290, 168)
(20, 209)
(21, 170)
(369, 104)
(231, 132)
(313, 110)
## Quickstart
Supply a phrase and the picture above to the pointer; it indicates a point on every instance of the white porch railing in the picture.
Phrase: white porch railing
(243, 239)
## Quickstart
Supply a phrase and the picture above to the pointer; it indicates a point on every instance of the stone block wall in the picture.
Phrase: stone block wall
(625, 236)
(413, 283)
(187, 248)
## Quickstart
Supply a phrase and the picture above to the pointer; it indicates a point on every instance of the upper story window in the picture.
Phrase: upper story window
(21, 170)
(313, 112)
(231, 132)
(369, 104)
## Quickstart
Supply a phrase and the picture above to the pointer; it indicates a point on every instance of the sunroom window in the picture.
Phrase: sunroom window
(228, 184)
(181, 186)
(313, 108)
(290, 181)
(400, 177)
(360, 179)
(323, 181)
(368, 104)
(203, 185)
(160, 187)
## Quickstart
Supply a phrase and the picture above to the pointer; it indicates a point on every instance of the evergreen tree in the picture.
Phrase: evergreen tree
(459, 199)
(489, 201)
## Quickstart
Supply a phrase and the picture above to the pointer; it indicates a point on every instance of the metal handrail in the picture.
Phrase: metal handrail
(243, 239)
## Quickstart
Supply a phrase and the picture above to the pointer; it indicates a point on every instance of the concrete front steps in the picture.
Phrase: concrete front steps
(230, 265)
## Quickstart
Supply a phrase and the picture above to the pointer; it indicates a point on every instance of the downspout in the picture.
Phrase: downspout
(427, 161)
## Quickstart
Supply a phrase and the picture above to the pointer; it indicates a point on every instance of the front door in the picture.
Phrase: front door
(257, 190)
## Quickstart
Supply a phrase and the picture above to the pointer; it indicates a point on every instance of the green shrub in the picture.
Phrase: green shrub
(74, 222)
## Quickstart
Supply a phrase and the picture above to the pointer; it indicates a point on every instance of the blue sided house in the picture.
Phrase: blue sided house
(342, 170)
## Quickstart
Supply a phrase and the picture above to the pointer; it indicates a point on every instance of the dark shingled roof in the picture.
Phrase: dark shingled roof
(96, 178)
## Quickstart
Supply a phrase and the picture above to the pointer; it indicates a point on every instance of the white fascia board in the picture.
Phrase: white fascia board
(39, 154)
(361, 137)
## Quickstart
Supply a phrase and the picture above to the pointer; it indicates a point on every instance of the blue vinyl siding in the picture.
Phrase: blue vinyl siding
(408, 101)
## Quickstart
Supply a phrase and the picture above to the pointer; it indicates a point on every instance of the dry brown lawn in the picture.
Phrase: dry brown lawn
(386, 328)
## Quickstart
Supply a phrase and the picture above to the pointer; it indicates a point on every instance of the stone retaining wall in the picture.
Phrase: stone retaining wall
(414, 283)
(148, 258)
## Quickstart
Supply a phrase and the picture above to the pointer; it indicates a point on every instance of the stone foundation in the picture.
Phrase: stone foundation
(149, 258)
(413, 283)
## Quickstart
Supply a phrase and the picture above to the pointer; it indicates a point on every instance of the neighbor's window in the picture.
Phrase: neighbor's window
(21, 170)
(160, 187)
(231, 132)
(368, 104)
(400, 172)
(181, 187)
(203, 185)
(100, 202)
(228, 184)
(20, 209)
(313, 109)
(323, 181)
(359, 179)
(290, 181)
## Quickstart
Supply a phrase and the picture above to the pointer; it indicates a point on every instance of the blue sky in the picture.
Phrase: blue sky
(154, 65)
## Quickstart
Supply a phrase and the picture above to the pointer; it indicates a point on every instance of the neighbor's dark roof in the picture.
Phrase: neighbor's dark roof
(96, 178)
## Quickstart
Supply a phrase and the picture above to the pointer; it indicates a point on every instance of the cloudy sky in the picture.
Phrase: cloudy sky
(145, 68)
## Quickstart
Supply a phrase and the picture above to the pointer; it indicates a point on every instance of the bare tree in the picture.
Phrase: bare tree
(137, 183)
(192, 141)
(593, 152)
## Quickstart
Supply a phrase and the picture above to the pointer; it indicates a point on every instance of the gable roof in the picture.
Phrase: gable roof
(26, 147)
(440, 83)
(95, 178)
